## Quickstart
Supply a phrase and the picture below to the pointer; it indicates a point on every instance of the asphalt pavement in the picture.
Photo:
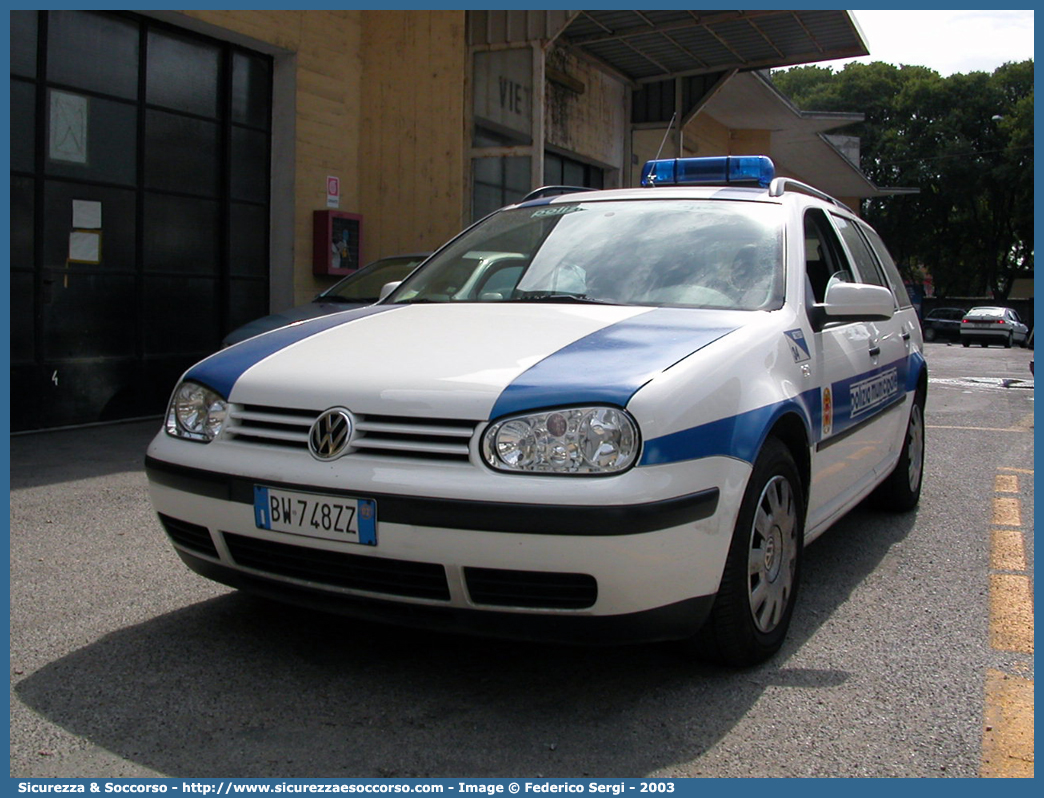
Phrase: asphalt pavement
(125, 663)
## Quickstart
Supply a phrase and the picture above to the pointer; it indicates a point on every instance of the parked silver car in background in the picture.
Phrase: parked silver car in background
(354, 291)
(987, 325)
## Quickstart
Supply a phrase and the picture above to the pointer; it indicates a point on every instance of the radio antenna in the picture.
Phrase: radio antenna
(666, 134)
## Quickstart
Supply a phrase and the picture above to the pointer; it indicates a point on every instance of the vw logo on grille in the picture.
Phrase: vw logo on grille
(328, 439)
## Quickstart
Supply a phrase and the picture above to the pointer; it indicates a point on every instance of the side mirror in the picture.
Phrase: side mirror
(854, 302)
(387, 288)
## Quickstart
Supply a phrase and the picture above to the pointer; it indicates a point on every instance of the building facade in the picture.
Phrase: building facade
(167, 167)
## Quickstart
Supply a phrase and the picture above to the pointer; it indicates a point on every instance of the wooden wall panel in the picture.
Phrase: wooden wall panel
(412, 160)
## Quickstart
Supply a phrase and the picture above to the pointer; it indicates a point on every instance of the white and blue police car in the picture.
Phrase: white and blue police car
(614, 415)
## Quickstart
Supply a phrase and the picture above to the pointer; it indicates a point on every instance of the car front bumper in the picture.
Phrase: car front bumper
(644, 569)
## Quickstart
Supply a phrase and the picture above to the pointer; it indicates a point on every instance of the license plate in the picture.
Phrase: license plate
(314, 515)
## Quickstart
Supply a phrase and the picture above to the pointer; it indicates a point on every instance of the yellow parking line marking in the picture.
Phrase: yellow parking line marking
(1007, 551)
(1007, 742)
(1006, 512)
(1011, 613)
(1006, 483)
(1007, 739)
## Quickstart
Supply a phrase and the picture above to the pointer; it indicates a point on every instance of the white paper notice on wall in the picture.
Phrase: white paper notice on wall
(86, 215)
(70, 117)
(84, 246)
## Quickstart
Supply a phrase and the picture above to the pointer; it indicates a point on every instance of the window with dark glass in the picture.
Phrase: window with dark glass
(562, 171)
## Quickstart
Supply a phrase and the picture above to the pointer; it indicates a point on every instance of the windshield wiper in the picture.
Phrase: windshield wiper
(553, 296)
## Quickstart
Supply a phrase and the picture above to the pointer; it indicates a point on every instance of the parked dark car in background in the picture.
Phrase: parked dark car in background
(988, 325)
(943, 324)
(354, 291)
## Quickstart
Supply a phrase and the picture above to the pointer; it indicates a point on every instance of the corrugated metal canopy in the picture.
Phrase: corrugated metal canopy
(654, 45)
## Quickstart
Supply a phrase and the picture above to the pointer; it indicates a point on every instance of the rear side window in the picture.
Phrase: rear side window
(890, 269)
(865, 262)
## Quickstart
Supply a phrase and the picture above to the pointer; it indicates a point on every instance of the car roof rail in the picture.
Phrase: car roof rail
(781, 184)
(554, 191)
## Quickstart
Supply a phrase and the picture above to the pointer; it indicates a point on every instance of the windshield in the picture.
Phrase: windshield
(682, 253)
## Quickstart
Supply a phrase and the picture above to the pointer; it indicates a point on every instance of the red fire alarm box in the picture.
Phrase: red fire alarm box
(336, 242)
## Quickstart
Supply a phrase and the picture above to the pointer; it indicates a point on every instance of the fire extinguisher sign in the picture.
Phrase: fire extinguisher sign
(333, 192)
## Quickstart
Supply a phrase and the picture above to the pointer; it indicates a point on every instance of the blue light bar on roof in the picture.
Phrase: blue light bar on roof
(721, 170)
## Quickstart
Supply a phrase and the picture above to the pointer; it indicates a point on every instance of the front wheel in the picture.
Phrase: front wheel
(759, 584)
(901, 491)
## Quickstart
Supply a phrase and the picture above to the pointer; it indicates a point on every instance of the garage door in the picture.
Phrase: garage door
(139, 209)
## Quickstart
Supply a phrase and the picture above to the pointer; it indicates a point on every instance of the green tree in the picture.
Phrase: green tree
(965, 141)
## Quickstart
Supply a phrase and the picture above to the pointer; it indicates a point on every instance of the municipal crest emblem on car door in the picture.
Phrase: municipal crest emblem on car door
(828, 412)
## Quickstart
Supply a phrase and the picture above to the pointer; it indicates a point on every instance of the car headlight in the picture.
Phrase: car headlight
(574, 440)
(196, 413)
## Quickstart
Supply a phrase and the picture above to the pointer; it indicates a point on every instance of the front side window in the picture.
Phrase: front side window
(825, 260)
(679, 253)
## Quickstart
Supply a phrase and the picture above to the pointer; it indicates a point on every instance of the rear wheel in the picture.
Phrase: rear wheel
(759, 584)
(965, 343)
(1007, 342)
(902, 490)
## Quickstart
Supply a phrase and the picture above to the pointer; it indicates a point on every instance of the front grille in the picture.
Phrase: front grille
(531, 589)
(189, 536)
(337, 569)
(274, 426)
(389, 436)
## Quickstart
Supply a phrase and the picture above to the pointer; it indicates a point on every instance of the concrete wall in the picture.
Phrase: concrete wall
(586, 113)
(750, 142)
(702, 137)
(705, 136)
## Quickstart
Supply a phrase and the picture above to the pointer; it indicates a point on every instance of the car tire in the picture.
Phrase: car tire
(901, 491)
(929, 334)
(759, 584)
(965, 344)
(1007, 342)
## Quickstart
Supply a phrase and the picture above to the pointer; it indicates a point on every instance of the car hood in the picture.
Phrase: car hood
(473, 361)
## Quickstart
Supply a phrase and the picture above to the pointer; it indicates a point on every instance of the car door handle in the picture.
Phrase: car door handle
(875, 351)
(906, 335)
